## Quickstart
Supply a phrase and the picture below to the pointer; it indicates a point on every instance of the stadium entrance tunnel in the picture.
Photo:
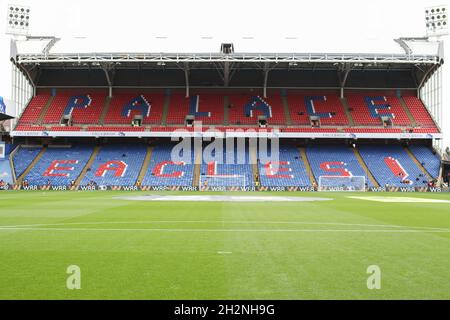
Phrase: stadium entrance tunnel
(221, 198)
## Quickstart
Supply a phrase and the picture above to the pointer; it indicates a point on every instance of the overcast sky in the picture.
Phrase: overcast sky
(319, 21)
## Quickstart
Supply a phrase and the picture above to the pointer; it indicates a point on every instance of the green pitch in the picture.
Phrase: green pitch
(222, 250)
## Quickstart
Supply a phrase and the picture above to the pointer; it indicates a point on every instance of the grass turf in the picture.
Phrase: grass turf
(208, 250)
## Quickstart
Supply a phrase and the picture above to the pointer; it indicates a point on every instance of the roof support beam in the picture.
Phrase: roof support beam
(343, 72)
(226, 73)
(231, 58)
(425, 77)
(266, 77)
(108, 80)
(27, 74)
(186, 78)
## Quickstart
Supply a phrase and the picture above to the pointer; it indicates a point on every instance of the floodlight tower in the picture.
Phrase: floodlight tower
(18, 19)
(432, 89)
(436, 21)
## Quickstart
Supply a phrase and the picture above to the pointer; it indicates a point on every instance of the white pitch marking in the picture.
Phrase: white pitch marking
(224, 252)
(222, 222)
(400, 199)
(229, 230)
(217, 198)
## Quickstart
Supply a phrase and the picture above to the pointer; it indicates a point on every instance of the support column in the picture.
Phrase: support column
(186, 78)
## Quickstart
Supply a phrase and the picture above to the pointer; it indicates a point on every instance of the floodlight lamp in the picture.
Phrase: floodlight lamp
(436, 21)
(18, 20)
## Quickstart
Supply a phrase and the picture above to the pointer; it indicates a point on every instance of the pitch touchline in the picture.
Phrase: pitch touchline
(223, 222)
(224, 230)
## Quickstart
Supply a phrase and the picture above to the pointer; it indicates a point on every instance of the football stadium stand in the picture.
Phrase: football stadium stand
(109, 119)
(164, 171)
(327, 107)
(242, 110)
(223, 170)
(288, 171)
(335, 160)
(59, 166)
(116, 165)
(120, 165)
(391, 165)
(427, 158)
(23, 157)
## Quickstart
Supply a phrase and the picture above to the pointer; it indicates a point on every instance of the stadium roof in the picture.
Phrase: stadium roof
(46, 49)
(406, 63)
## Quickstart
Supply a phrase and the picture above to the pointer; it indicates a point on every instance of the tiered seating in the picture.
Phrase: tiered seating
(362, 115)
(23, 158)
(278, 117)
(419, 112)
(115, 128)
(427, 158)
(373, 130)
(206, 107)
(237, 171)
(59, 166)
(309, 130)
(291, 170)
(327, 107)
(334, 160)
(163, 172)
(243, 110)
(116, 165)
(26, 127)
(124, 106)
(392, 165)
(86, 107)
(238, 116)
(32, 112)
(425, 130)
(61, 128)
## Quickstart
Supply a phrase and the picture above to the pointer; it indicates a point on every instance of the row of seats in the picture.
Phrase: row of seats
(120, 165)
(211, 108)
(335, 161)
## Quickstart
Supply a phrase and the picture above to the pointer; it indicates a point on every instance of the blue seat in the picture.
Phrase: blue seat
(381, 160)
(429, 160)
(77, 155)
(23, 158)
(296, 175)
(344, 158)
(161, 154)
(124, 171)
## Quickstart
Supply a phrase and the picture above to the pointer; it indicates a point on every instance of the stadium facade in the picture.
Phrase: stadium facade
(108, 119)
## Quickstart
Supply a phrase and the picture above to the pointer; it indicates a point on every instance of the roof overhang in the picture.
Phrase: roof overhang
(4, 117)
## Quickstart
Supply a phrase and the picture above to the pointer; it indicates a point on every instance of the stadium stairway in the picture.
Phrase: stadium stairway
(254, 163)
(105, 110)
(417, 162)
(145, 165)
(165, 110)
(88, 165)
(11, 164)
(363, 165)
(344, 103)
(307, 165)
(226, 110)
(197, 168)
(407, 111)
(40, 120)
(287, 114)
(31, 166)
